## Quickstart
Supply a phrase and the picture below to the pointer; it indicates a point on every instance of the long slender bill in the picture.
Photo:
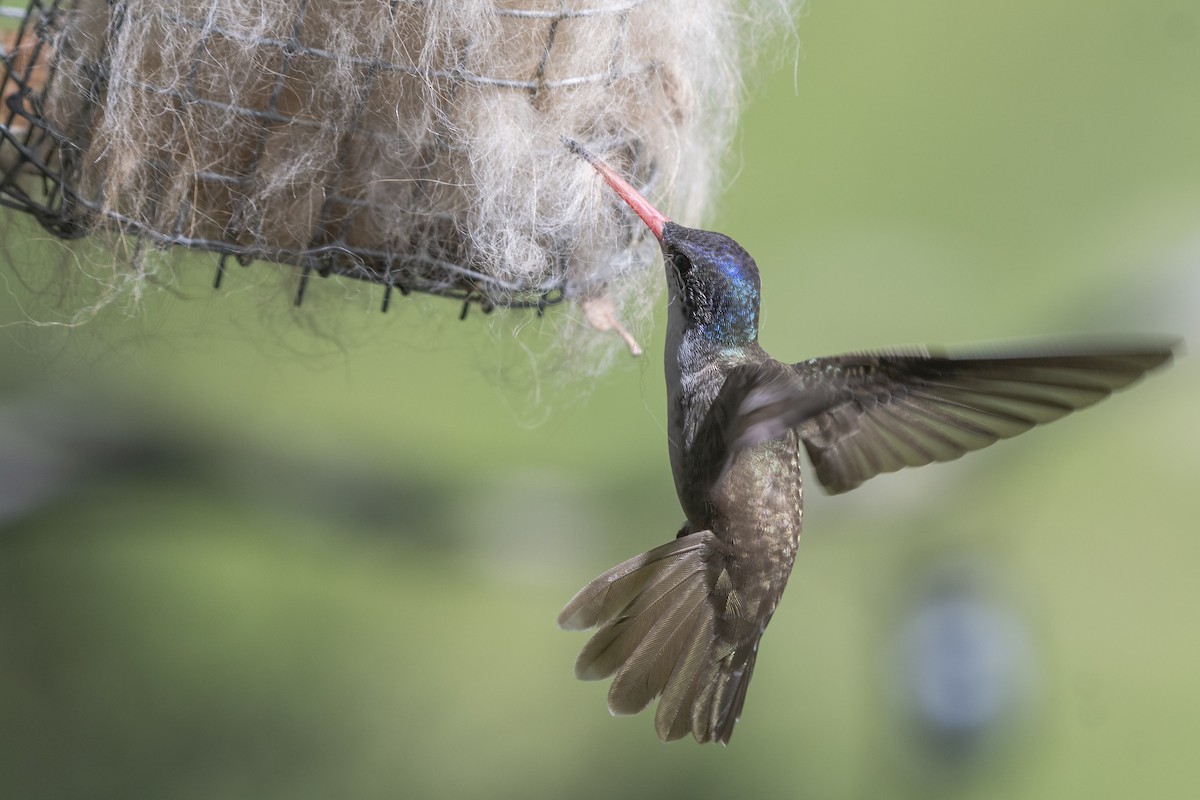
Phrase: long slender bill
(654, 219)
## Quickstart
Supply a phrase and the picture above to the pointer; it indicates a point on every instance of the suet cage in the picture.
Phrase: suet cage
(416, 144)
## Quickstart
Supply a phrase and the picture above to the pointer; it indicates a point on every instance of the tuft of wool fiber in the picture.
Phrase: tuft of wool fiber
(411, 143)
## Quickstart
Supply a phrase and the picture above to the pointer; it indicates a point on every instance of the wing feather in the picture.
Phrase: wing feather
(863, 414)
(884, 411)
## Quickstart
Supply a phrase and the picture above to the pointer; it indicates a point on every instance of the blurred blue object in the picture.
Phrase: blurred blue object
(966, 661)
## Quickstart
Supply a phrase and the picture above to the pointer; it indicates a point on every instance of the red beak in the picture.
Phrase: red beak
(654, 219)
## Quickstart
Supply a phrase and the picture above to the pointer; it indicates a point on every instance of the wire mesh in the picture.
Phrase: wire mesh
(288, 142)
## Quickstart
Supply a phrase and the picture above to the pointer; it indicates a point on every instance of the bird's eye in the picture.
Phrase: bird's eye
(682, 263)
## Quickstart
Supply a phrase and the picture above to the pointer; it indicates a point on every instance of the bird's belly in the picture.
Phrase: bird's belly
(757, 511)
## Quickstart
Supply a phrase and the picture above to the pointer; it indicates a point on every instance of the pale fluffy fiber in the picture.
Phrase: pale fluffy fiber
(417, 143)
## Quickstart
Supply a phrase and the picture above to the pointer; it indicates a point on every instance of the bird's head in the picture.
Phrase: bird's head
(714, 281)
(711, 279)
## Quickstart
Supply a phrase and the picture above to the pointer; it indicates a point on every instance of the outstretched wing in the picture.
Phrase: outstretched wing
(862, 414)
(884, 411)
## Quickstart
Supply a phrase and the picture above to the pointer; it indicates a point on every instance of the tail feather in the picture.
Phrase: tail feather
(657, 631)
(706, 693)
(715, 712)
(611, 593)
(644, 674)
(674, 716)
(724, 728)
(617, 638)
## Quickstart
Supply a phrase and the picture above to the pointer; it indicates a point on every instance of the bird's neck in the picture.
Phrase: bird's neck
(693, 347)
(696, 369)
(695, 366)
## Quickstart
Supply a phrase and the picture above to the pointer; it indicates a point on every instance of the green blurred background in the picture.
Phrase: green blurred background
(248, 553)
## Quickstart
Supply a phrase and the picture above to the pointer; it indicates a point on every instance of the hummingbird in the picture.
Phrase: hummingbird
(683, 621)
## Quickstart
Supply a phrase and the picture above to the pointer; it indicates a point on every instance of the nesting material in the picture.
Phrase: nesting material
(417, 144)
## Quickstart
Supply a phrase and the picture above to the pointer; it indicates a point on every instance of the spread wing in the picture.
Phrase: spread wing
(863, 414)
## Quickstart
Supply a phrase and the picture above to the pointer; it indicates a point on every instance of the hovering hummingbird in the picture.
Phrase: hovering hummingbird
(683, 621)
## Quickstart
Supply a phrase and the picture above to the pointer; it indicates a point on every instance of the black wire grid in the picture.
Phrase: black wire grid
(40, 163)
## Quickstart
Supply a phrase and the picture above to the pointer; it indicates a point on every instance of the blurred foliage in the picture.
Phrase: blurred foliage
(250, 552)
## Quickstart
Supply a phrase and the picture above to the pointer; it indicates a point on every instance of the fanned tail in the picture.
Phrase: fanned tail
(657, 635)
